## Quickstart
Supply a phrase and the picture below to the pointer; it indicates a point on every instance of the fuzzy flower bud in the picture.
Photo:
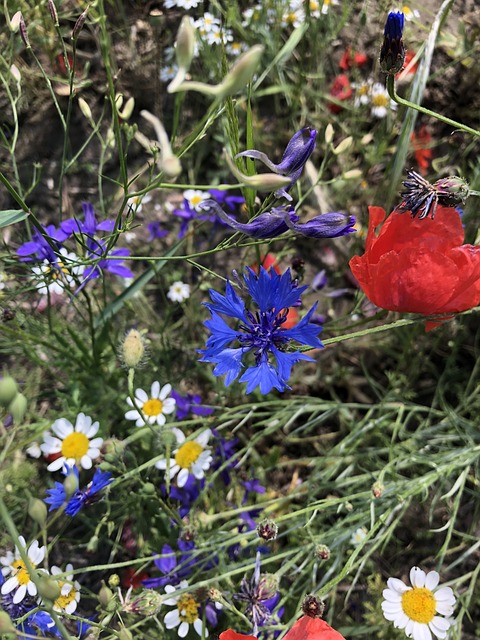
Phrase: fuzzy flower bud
(147, 603)
(37, 510)
(392, 54)
(133, 349)
(18, 407)
(8, 390)
(241, 72)
(377, 489)
(313, 607)
(105, 596)
(322, 552)
(267, 529)
(451, 191)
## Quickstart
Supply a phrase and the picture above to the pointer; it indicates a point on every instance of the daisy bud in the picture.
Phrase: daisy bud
(8, 390)
(37, 510)
(105, 596)
(185, 43)
(18, 407)
(451, 191)
(6, 625)
(48, 589)
(329, 132)
(84, 108)
(133, 349)
(322, 552)
(313, 607)
(267, 529)
(343, 146)
(377, 489)
(261, 181)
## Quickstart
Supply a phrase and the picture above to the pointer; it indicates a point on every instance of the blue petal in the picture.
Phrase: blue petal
(264, 376)
(305, 332)
(229, 304)
(285, 362)
(222, 334)
(229, 364)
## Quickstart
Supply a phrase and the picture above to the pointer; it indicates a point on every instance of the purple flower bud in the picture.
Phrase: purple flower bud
(392, 53)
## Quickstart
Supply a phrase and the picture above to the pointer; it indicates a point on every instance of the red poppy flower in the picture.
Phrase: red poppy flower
(421, 146)
(305, 628)
(341, 89)
(419, 266)
(133, 578)
(352, 59)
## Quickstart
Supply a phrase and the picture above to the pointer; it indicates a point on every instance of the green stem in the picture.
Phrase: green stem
(396, 98)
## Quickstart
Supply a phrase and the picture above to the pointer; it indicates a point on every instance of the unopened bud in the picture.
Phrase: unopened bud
(37, 510)
(377, 489)
(18, 407)
(353, 174)
(392, 54)
(15, 21)
(127, 109)
(105, 595)
(185, 43)
(313, 607)
(215, 594)
(70, 484)
(267, 529)
(322, 552)
(53, 12)
(77, 27)
(268, 584)
(147, 603)
(329, 132)
(48, 588)
(23, 32)
(92, 544)
(8, 390)
(171, 166)
(133, 349)
(451, 191)
(261, 181)
(241, 72)
(84, 108)
(343, 146)
(16, 73)
(114, 581)
(125, 634)
(6, 625)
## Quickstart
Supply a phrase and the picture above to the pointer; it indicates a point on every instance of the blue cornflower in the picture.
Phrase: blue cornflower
(260, 333)
(278, 220)
(296, 154)
(57, 496)
(392, 53)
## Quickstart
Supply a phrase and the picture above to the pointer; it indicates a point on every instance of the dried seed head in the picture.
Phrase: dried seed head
(267, 529)
(313, 607)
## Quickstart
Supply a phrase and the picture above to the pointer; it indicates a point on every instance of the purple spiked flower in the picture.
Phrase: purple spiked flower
(261, 333)
(296, 154)
(278, 220)
(392, 53)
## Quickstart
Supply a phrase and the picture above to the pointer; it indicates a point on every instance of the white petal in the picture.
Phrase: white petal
(391, 607)
(182, 477)
(169, 588)
(401, 620)
(172, 619)
(31, 588)
(132, 415)
(166, 391)
(432, 580)
(92, 430)
(155, 390)
(445, 594)
(439, 626)
(9, 585)
(204, 437)
(421, 631)
(444, 608)
(20, 593)
(86, 462)
(397, 585)
(56, 464)
(93, 453)
(62, 428)
(408, 628)
(198, 626)
(96, 442)
(391, 596)
(183, 629)
(141, 395)
(178, 435)
(160, 419)
(417, 577)
(169, 405)
(161, 464)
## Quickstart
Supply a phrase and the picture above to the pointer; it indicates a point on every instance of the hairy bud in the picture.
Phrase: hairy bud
(313, 607)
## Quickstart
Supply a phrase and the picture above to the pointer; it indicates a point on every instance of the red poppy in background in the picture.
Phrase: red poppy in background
(421, 142)
(305, 628)
(409, 70)
(419, 266)
(341, 89)
(133, 578)
(351, 59)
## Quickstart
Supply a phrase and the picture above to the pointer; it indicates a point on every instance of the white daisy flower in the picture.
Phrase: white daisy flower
(380, 101)
(235, 48)
(54, 277)
(168, 72)
(151, 409)
(73, 443)
(34, 450)
(208, 22)
(363, 92)
(293, 18)
(14, 567)
(414, 608)
(186, 612)
(137, 202)
(194, 197)
(326, 5)
(69, 591)
(181, 4)
(179, 291)
(314, 8)
(410, 14)
(358, 536)
(191, 457)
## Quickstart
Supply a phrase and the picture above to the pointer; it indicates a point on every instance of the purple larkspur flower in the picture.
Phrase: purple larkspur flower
(38, 248)
(191, 403)
(89, 226)
(260, 334)
(173, 570)
(278, 220)
(297, 152)
(155, 230)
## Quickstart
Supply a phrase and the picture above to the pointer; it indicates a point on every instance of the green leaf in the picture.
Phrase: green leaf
(11, 216)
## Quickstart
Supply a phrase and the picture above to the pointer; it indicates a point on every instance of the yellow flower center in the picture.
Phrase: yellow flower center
(314, 5)
(291, 17)
(20, 572)
(187, 608)
(419, 605)
(62, 602)
(197, 198)
(75, 445)
(327, 3)
(363, 90)
(380, 100)
(152, 407)
(188, 454)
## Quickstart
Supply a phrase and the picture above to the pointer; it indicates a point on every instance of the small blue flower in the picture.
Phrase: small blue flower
(173, 571)
(252, 486)
(89, 226)
(191, 403)
(392, 53)
(155, 230)
(278, 220)
(57, 496)
(296, 154)
(39, 248)
(260, 333)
